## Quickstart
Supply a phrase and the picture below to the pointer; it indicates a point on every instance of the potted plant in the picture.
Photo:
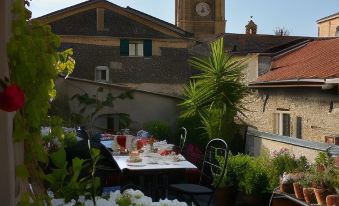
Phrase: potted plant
(228, 189)
(298, 189)
(283, 167)
(306, 182)
(334, 187)
(320, 187)
(324, 172)
(302, 166)
(254, 183)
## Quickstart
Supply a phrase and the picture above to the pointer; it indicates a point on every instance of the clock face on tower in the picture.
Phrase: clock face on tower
(203, 9)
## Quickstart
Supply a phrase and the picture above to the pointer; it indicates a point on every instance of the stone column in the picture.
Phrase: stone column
(9, 190)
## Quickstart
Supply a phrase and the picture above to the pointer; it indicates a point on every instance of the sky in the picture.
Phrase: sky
(297, 16)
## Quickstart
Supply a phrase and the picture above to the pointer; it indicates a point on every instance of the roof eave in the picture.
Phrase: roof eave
(328, 18)
(318, 81)
(288, 83)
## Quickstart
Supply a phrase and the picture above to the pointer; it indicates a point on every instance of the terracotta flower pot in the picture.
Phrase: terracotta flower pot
(298, 190)
(226, 195)
(332, 200)
(309, 195)
(252, 200)
(286, 188)
(321, 194)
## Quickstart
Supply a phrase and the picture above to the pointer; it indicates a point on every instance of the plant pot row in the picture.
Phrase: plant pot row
(230, 195)
(311, 195)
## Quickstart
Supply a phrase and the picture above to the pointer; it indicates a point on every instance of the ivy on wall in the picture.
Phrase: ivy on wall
(34, 63)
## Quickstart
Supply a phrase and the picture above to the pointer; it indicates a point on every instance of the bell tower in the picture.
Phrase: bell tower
(204, 18)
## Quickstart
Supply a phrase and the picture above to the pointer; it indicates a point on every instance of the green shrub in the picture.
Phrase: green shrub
(281, 162)
(326, 174)
(159, 129)
(249, 174)
(306, 179)
(235, 170)
(195, 133)
(254, 179)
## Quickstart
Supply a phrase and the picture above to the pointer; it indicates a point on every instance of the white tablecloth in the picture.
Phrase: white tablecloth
(162, 163)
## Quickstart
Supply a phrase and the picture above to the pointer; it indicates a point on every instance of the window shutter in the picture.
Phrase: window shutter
(148, 48)
(286, 124)
(275, 123)
(298, 133)
(124, 50)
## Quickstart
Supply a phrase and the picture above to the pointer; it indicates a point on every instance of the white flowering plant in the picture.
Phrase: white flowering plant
(127, 198)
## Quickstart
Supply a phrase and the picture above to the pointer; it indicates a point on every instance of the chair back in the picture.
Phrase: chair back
(183, 139)
(214, 163)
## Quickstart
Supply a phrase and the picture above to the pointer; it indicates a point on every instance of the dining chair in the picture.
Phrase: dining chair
(212, 172)
(106, 167)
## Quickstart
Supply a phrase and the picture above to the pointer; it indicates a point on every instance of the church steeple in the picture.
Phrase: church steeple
(251, 27)
(204, 18)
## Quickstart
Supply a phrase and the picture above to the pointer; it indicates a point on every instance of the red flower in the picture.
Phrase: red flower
(12, 98)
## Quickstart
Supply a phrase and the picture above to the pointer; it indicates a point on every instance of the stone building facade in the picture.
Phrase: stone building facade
(311, 113)
(122, 45)
(298, 95)
(123, 49)
(329, 26)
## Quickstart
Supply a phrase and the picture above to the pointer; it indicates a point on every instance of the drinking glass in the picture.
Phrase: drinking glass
(121, 139)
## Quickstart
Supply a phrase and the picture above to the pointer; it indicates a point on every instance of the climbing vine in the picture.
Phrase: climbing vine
(35, 64)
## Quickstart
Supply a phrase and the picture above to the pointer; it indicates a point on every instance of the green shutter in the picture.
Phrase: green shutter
(147, 48)
(124, 47)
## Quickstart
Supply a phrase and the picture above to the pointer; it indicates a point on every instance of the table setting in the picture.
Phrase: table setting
(164, 158)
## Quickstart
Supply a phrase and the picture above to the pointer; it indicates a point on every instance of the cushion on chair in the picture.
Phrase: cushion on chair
(192, 189)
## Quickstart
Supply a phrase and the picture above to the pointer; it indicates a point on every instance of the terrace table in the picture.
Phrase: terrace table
(149, 168)
(145, 165)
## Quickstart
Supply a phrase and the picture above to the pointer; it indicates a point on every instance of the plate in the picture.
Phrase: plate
(153, 162)
(138, 164)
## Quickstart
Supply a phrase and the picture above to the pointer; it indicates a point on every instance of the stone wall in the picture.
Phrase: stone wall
(311, 104)
(256, 142)
(171, 67)
(328, 28)
(144, 107)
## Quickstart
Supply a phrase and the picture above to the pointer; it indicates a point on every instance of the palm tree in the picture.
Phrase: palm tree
(216, 94)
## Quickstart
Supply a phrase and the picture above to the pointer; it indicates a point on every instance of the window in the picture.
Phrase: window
(101, 74)
(282, 123)
(135, 48)
(337, 32)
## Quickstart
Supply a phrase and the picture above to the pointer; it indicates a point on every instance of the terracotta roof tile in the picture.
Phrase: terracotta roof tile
(318, 59)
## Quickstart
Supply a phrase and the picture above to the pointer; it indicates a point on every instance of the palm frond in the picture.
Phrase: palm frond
(217, 92)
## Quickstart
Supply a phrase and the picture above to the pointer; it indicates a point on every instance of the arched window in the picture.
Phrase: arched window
(337, 32)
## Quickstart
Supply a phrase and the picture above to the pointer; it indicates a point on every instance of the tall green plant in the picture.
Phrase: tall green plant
(34, 63)
(216, 93)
